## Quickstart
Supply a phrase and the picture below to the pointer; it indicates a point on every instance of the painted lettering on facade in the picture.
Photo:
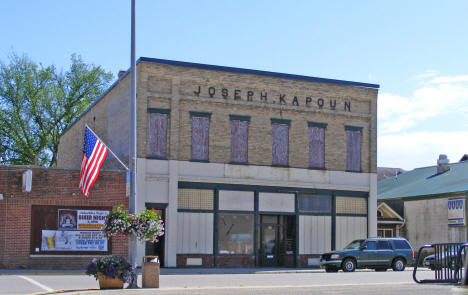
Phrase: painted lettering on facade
(277, 98)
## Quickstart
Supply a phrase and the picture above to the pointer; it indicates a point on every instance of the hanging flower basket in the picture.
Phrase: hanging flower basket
(117, 223)
(146, 225)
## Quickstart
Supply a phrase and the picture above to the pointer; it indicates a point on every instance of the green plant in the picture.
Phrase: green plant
(112, 267)
(146, 225)
(117, 222)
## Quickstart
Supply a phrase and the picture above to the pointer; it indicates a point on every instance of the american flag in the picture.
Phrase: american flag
(94, 154)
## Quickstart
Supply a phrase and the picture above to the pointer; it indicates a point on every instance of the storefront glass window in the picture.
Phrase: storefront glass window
(315, 203)
(235, 233)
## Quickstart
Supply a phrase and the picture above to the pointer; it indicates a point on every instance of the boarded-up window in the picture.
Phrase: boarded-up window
(280, 144)
(239, 140)
(316, 147)
(200, 138)
(157, 135)
(353, 150)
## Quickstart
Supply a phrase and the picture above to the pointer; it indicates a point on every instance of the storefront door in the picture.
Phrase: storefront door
(157, 249)
(269, 244)
(277, 240)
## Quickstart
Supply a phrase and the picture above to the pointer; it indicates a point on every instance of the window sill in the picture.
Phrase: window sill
(317, 168)
(280, 166)
(157, 158)
(238, 163)
(31, 255)
(354, 171)
(199, 161)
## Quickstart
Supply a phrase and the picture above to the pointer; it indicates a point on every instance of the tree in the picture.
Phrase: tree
(37, 103)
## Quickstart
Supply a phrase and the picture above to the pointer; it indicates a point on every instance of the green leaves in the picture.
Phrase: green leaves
(146, 225)
(37, 103)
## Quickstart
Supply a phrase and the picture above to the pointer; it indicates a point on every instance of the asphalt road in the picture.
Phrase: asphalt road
(266, 282)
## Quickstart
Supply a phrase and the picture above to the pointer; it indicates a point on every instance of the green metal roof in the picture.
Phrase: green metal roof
(425, 181)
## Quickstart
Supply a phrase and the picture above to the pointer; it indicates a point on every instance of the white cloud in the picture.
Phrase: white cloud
(397, 113)
(427, 74)
(420, 149)
(449, 79)
(403, 138)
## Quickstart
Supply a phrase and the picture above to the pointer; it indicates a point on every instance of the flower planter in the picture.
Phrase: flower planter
(106, 267)
(110, 283)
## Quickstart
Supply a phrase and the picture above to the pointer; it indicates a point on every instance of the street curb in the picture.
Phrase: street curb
(63, 291)
(41, 274)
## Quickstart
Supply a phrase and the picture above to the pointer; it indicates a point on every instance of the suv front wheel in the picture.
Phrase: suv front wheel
(398, 264)
(348, 265)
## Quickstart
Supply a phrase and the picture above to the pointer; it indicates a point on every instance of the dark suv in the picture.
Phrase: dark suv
(377, 253)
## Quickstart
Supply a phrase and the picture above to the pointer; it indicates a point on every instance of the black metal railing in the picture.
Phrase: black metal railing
(447, 262)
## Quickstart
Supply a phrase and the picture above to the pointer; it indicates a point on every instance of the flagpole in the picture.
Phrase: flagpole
(121, 163)
(133, 142)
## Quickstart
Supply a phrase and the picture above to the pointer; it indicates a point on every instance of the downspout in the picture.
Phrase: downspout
(466, 226)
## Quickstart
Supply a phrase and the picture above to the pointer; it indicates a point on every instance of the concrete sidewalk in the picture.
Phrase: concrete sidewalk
(187, 271)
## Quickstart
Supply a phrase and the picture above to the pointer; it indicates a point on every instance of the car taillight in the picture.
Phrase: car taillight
(412, 253)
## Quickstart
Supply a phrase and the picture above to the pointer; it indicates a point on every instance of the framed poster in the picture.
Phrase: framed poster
(70, 230)
(91, 219)
(63, 240)
(456, 212)
(67, 219)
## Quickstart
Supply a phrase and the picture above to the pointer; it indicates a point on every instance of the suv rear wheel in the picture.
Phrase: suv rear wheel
(348, 265)
(398, 264)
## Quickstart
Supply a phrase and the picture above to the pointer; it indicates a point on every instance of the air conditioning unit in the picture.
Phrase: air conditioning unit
(27, 181)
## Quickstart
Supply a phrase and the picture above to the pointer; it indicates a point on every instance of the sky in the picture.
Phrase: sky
(417, 51)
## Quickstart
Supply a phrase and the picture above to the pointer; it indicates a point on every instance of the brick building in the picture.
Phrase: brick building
(248, 168)
(32, 232)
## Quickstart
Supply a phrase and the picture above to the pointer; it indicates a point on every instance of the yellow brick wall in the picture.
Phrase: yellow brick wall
(163, 86)
(109, 119)
(171, 87)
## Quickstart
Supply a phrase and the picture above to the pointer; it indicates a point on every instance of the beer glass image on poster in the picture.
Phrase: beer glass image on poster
(48, 240)
(63, 240)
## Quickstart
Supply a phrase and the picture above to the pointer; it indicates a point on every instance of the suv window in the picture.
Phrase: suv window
(401, 244)
(383, 245)
(370, 245)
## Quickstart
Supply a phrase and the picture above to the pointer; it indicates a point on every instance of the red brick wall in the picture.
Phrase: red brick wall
(50, 187)
(236, 261)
